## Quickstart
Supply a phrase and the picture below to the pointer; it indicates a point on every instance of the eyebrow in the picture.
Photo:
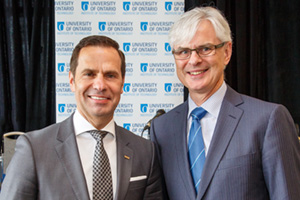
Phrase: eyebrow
(88, 70)
(204, 45)
(105, 72)
(111, 72)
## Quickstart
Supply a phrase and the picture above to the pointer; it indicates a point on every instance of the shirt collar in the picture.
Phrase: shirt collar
(81, 125)
(213, 104)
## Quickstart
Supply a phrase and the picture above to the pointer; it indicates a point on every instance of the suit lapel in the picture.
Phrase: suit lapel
(179, 128)
(227, 122)
(124, 164)
(67, 151)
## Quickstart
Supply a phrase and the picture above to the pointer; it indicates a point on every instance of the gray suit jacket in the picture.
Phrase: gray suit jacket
(254, 153)
(46, 165)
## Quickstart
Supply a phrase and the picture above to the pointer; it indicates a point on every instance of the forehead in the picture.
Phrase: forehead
(90, 51)
(98, 56)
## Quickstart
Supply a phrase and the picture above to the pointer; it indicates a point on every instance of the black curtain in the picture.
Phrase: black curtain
(266, 49)
(27, 65)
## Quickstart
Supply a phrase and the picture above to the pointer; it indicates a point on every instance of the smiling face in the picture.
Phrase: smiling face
(203, 76)
(98, 84)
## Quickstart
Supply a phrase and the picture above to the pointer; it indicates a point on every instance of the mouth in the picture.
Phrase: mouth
(98, 98)
(197, 72)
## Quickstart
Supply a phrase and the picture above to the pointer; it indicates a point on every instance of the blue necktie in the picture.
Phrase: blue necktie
(196, 146)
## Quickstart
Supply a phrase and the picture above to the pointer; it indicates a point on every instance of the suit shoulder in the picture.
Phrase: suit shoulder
(178, 107)
(245, 101)
(171, 115)
(261, 108)
(39, 132)
(175, 110)
(45, 132)
(258, 103)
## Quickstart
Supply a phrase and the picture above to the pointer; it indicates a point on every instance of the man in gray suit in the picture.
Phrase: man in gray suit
(251, 146)
(57, 161)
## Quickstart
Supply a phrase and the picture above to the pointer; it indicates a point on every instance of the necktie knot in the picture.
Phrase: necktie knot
(98, 135)
(198, 113)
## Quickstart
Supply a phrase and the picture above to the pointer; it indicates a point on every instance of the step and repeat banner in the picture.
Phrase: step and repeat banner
(141, 29)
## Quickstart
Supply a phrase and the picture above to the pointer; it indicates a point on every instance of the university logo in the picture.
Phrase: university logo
(168, 6)
(144, 67)
(61, 108)
(144, 26)
(101, 26)
(60, 26)
(61, 67)
(126, 47)
(126, 87)
(167, 47)
(84, 5)
(168, 87)
(127, 126)
(144, 108)
(126, 5)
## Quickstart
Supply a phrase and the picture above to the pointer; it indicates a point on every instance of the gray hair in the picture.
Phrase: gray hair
(186, 27)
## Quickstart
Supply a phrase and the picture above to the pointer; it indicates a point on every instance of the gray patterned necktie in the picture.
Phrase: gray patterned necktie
(102, 179)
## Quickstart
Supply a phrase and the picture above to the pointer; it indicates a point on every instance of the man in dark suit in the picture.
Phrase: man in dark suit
(57, 162)
(250, 151)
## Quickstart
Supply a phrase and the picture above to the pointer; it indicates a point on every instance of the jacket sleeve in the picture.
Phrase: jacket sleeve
(20, 181)
(281, 156)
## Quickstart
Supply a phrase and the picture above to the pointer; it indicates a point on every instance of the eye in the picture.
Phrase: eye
(111, 75)
(205, 49)
(88, 74)
(182, 51)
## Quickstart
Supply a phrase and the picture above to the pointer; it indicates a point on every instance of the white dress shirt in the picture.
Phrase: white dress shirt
(209, 121)
(86, 147)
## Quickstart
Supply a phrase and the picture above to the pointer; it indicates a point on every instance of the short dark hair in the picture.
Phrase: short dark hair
(96, 40)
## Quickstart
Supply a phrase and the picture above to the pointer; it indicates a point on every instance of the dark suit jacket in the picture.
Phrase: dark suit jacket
(46, 165)
(254, 153)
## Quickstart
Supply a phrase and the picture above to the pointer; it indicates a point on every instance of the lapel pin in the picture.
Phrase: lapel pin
(126, 157)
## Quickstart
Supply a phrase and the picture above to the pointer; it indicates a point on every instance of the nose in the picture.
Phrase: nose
(99, 83)
(195, 58)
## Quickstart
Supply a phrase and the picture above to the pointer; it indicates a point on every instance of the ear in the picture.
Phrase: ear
(72, 81)
(227, 53)
(123, 81)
